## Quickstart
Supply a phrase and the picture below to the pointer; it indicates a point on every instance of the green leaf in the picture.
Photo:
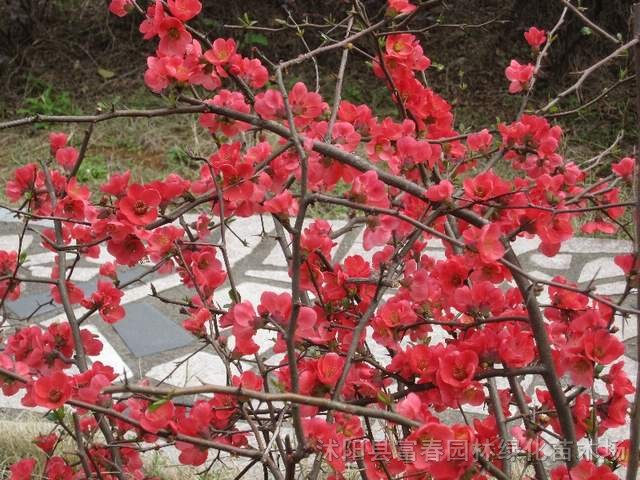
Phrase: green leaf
(586, 31)
(384, 398)
(235, 296)
(253, 38)
(157, 404)
(56, 416)
(106, 74)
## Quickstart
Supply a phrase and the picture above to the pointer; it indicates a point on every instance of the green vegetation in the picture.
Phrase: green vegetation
(43, 99)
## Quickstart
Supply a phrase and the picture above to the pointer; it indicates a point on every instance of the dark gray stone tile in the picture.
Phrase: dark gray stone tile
(630, 346)
(145, 330)
(27, 304)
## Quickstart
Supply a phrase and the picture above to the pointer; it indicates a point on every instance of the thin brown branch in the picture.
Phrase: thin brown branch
(589, 23)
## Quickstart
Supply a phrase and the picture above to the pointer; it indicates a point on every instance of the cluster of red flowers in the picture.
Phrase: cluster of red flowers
(462, 296)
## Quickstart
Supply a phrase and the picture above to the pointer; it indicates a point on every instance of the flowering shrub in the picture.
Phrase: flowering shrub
(465, 330)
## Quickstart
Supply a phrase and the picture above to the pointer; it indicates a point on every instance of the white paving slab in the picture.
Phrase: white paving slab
(599, 268)
(109, 356)
(597, 246)
(279, 275)
(614, 288)
(194, 370)
(11, 242)
(561, 261)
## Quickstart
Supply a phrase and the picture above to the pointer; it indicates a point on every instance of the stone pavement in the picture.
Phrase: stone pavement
(150, 342)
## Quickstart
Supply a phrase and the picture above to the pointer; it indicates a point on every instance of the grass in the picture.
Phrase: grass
(44, 99)
(149, 148)
(155, 147)
(16, 440)
(16, 444)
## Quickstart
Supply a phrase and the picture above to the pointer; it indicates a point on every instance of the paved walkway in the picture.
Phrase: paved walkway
(149, 341)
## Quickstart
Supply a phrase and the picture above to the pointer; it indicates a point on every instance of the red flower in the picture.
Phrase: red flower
(184, 9)
(330, 367)
(140, 206)
(250, 70)
(322, 436)
(440, 192)
(585, 470)
(283, 204)
(67, 157)
(221, 51)
(51, 391)
(157, 416)
(232, 101)
(535, 37)
(602, 347)
(196, 322)
(270, 105)
(120, 7)
(456, 368)
(487, 241)
(24, 179)
(243, 321)
(479, 142)
(58, 469)
(23, 469)
(162, 241)
(430, 443)
(519, 76)
(624, 168)
(368, 189)
(8, 263)
(517, 348)
(57, 140)
(396, 7)
(128, 250)
(75, 293)
(306, 106)
(47, 443)
(117, 184)
(174, 37)
(248, 381)
(107, 300)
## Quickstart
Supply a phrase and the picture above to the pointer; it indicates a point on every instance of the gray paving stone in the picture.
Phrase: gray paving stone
(145, 331)
(27, 304)
(630, 347)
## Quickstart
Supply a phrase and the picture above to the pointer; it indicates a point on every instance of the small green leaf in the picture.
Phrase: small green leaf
(586, 31)
(157, 404)
(56, 415)
(106, 74)
(385, 398)
(253, 38)
(235, 296)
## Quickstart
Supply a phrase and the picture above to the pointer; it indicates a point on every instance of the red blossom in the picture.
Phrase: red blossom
(396, 7)
(535, 37)
(51, 391)
(140, 205)
(121, 7)
(624, 168)
(184, 10)
(519, 76)
(22, 469)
